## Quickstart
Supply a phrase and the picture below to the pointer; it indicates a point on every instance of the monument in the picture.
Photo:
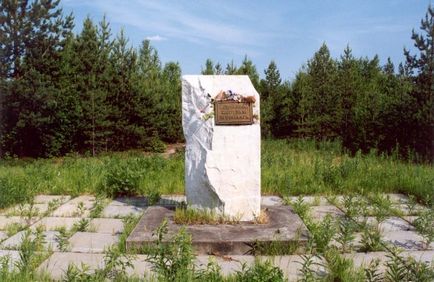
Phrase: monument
(220, 118)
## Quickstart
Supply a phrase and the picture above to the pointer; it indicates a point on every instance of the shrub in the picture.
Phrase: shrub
(121, 179)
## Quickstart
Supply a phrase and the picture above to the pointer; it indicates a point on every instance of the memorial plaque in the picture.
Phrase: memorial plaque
(233, 113)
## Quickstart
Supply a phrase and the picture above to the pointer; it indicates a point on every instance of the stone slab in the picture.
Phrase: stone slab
(391, 224)
(72, 210)
(130, 201)
(364, 259)
(397, 198)
(15, 241)
(3, 236)
(5, 221)
(45, 199)
(57, 264)
(118, 211)
(310, 200)
(404, 210)
(106, 225)
(55, 223)
(271, 201)
(407, 240)
(284, 227)
(85, 199)
(172, 200)
(12, 256)
(320, 212)
(26, 209)
(88, 242)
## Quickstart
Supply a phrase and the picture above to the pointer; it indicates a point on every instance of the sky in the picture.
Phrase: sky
(288, 32)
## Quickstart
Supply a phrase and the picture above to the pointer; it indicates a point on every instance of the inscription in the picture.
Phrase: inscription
(233, 113)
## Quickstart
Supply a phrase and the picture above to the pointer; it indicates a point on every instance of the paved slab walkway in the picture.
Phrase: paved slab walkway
(76, 233)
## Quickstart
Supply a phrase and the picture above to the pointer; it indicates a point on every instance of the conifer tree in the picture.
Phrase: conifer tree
(421, 71)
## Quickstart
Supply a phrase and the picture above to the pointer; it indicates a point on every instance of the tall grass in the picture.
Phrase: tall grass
(307, 167)
(288, 168)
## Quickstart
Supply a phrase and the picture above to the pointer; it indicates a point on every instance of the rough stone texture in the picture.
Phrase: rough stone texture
(87, 242)
(3, 236)
(363, 259)
(106, 225)
(389, 224)
(14, 241)
(407, 240)
(54, 223)
(320, 212)
(57, 264)
(35, 209)
(283, 227)
(45, 199)
(222, 163)
(5, 221)
(130, 201)
(121, 210)
(311, 200)
(13, 257)
(271, 201)
(172, 200)
(397, 198)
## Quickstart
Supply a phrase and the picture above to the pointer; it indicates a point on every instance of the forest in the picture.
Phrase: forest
(91, 92)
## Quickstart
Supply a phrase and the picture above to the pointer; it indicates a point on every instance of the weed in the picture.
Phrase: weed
(153, 197)
(172, 261)
(28, 250)
(211, 273)
(345, 235)
(121, 178)
(81, 225)
(115, 264)
(301, 208)
(424, 225)
(371, 240)
(100, 203)
(129, 223)
(260, 271)
(372, 272)
(80, 209)
(188, 216)
(62, 239)
(75, 273)
(339, 268)
(322, 233)
(14, 228)
(307, 270)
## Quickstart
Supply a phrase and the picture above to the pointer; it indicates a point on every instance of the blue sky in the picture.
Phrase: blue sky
(288, 32)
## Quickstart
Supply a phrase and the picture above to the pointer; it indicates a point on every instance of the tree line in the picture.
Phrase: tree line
(91, 92)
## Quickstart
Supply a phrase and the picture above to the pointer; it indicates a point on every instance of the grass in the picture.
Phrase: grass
(190, 216)
(288, 168)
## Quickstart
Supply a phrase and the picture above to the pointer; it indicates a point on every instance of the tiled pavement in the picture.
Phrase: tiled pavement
(52, 213)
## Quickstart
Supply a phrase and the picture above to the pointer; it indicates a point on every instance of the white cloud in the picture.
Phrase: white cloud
(156, 38)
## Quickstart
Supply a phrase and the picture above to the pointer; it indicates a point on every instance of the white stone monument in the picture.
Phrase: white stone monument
(222, 162)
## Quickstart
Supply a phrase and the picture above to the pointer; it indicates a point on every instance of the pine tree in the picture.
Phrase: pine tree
(319, 99)
(421, 71)
(32, 36)
(209, 68)
(248, 68)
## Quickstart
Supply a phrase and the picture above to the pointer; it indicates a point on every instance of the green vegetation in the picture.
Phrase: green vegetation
(90, 92)
(288, 168)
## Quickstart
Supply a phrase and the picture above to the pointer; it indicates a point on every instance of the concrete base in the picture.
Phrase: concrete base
(284, 228)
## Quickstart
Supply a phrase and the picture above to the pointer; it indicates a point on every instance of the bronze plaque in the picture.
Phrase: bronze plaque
(233, 113)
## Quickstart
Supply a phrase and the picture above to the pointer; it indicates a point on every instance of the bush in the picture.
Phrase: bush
(121, 179)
